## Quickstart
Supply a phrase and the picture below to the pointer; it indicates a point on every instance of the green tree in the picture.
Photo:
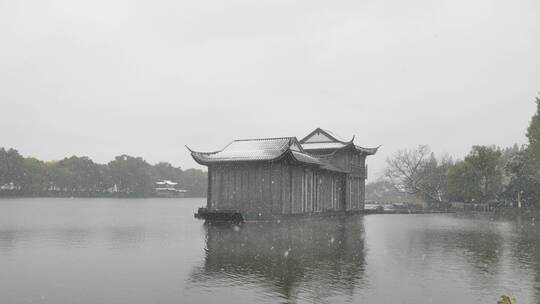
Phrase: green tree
(478, 178)
(3, 167)
(11, 167)
(524, 169)
(34, 179)
(58, 177)
(85, 174)
(533, 134)
(105, 177)
(463, 182)
(524, 185)
(132, 175)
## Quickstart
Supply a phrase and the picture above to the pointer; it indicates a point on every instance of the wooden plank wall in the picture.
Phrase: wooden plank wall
(278, 188)
(356, 192)
(351, 161)
(248, 187)
(316, 190)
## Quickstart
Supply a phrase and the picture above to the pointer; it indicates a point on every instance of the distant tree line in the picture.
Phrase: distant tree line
(125, 176)
(488, 174)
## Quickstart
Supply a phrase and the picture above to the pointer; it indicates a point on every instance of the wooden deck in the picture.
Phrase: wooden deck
(235, 216)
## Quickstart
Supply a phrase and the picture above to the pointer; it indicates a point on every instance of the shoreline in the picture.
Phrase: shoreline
(90, 195)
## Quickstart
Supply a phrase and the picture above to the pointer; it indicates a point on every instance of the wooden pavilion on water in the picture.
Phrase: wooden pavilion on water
(271, 178)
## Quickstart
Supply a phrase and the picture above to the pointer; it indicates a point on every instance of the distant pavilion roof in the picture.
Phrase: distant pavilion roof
(166, 182)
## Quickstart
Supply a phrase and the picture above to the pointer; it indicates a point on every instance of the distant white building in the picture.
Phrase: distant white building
(113, 189)
(167, 188)
(10, 186)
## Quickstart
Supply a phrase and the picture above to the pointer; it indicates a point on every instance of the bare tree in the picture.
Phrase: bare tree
(418, 172)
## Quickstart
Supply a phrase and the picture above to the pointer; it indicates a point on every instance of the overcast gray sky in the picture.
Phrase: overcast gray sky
(102, 78)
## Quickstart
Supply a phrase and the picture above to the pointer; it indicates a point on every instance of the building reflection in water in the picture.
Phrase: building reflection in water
(318, 257)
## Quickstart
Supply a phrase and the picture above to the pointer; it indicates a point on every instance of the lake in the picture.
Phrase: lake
(61, 250)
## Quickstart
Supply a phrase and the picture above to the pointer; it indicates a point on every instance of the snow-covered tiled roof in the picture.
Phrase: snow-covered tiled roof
(369, 151)
(334, 135)
(323, 136)
(334, 146)
(267, 149)
(323, 145)
(248, 149)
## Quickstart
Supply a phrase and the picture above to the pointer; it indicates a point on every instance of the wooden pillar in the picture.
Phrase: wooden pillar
(292, 188)
(347, 192)
(363, 194)
(209, 190)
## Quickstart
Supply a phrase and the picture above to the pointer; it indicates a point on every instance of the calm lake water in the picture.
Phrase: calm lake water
(154, 251)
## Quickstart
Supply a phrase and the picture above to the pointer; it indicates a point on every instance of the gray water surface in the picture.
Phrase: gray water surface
(153, 251)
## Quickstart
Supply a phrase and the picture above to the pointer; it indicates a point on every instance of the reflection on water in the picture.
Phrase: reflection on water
(315, 257)
(154, 251)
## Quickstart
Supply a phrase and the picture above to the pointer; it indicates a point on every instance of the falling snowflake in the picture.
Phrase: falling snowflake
(286, 253)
